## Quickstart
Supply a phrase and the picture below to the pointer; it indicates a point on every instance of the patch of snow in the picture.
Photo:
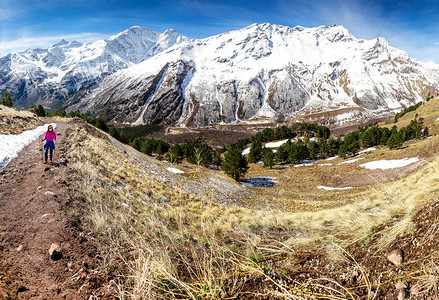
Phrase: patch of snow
(366, 150)
(259, 182)
(437, 119)
(305, 163)
(246, 151)
(350, 161)
(331, 158)
(324, 164)
(327, 188)
(174, 170)
(275, 144)
(389, 164)
(12, 144)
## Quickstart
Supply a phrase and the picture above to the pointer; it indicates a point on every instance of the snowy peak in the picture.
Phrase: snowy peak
(61, 43)
(264, 72)
(136, 32)
(45, 75)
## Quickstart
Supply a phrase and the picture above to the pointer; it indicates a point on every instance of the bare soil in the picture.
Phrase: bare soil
(37, 209)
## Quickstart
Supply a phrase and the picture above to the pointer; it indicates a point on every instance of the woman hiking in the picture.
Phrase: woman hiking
(50, 139)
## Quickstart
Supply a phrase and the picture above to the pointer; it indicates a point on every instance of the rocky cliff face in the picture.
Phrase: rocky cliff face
(264, 72)
(41, 76)
(260, 73)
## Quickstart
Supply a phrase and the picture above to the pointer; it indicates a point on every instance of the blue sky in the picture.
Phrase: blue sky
(412, 26)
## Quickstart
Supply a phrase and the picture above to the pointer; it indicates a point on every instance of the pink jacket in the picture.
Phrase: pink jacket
(50, 136)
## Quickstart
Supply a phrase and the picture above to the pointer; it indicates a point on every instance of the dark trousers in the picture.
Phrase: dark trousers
(49, 145)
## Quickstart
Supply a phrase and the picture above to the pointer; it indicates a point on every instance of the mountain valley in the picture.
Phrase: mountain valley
(160, 230)
(270, 162)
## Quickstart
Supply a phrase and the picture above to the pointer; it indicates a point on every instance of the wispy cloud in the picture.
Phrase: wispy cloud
(46, 41)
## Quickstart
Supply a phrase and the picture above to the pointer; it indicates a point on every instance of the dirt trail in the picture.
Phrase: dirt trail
(37, 208)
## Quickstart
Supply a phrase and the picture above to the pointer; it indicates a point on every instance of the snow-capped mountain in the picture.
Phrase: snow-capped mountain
(264, 72)
(42, 76)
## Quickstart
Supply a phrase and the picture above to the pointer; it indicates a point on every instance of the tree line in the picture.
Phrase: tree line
(322, 147)
(312, 142)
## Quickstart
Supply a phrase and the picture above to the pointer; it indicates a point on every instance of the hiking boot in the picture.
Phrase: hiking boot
(45, 162)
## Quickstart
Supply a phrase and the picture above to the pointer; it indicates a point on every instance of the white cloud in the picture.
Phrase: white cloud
(24, 43)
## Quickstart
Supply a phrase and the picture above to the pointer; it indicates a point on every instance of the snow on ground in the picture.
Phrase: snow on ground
(437, 119)
(275, 144)
(246, 151)
(12, 144)
(327, 188)
(281, 168)
(324, 164)
(389, 164)
(366, 150)
(331, 158)
(259, 181)
(174, 170)
(305, 163)
(350, 161)
(353, 160)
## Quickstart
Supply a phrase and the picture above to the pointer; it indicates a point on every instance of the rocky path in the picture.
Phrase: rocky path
(38, 210)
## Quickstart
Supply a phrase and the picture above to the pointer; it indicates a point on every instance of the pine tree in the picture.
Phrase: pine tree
(268, 158)
(343, 150)
(314, 151)
(282, 154)
(216, 158)
(234, 164)
(425, 132)
(6, 99)
(174, 154)
(40, 111)
(203, 155)
(395, 140)
(255, 151)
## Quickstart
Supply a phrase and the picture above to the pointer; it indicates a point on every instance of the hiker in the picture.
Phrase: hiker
(50, 139)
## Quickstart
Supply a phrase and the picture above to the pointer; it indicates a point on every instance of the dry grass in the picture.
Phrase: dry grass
(184, 236)
(14, 121)
(429, 111)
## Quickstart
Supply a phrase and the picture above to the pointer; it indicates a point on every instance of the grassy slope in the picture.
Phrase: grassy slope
(199, 234)
(14, 121)
(429, 111)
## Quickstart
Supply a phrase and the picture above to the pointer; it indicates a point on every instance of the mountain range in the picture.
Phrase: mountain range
(261, 73)
(42, 76)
